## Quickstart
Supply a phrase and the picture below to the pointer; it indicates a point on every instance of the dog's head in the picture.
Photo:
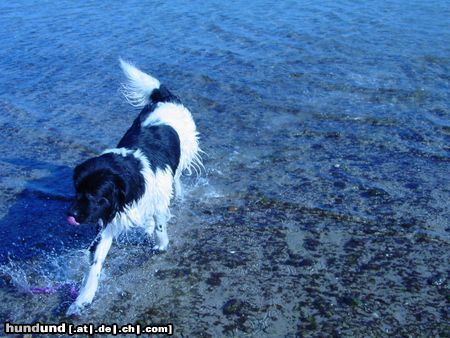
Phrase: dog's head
(99, 194)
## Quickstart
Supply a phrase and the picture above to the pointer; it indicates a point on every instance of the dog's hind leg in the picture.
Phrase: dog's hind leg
(87, 292)
(177, 184)
(161, 232)
(149, 227)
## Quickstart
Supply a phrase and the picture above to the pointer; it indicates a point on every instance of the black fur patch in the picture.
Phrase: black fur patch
(163, 95)
(123, 172)
(104, 185)
(160, 144)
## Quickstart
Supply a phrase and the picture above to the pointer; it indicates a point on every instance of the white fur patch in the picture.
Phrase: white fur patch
(119, 151)
(179, 118)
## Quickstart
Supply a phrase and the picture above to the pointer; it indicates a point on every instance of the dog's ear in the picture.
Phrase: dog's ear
(104, 202)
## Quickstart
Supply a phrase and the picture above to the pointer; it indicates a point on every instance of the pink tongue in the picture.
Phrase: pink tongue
(72, 220)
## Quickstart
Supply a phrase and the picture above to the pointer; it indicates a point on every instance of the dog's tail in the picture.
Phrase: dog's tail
(139, 87)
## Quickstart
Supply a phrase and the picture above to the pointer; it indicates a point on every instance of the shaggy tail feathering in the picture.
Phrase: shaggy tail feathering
(139, 87)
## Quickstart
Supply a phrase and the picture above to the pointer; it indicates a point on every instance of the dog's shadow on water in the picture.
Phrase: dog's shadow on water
(35, 223)
(36, 240)
(34, 234)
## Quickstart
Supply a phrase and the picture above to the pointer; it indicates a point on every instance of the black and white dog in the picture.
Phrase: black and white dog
(131, 185)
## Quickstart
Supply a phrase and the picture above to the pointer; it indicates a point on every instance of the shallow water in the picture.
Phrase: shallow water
(324, 207)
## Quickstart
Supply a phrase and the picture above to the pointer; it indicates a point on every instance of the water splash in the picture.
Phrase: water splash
(46, 277)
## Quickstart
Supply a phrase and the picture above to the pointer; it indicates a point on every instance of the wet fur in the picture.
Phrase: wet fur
(132, 184)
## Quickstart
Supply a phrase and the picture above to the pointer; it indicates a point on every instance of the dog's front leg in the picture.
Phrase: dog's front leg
(87, 293)
(161, 232)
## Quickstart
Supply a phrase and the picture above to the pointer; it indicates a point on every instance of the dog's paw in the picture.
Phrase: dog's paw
(160, 248)
(74, 310)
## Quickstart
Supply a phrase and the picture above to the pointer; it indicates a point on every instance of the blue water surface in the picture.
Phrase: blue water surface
(321, 121)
